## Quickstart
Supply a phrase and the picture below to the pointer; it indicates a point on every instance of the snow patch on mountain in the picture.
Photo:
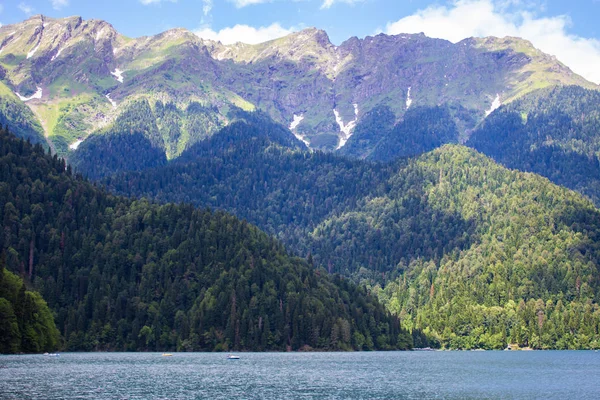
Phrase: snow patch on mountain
(297, 119)
(495, 105)
(346, 129)
(54, 57)
(118, 74)
(75, 145)
(408, 99)
(32, 52)
(302, 139)
(36, 95)
(294, 124)
(114, 103)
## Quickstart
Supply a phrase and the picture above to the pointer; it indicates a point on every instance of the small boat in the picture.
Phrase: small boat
(52, 354)
(232, 357)
(167, 355)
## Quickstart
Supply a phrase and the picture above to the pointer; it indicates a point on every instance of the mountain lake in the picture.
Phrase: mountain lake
(359, 375)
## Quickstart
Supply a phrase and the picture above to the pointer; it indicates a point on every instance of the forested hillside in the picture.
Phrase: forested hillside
(552, 132)
(26, 323)
(529, 274)
(143, 137)
(256, 169)
(422, 129)
(451, 235)
(397, 230)
(124, 274)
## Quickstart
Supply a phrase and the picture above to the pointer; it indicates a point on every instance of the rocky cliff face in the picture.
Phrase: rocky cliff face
(78, 76)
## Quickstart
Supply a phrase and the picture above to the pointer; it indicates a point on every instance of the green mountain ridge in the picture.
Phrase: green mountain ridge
(124, 274)
(527, 271)
(86, 74)
(463, 249)
(554, 132)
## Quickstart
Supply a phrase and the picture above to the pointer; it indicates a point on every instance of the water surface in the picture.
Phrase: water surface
(377, 375)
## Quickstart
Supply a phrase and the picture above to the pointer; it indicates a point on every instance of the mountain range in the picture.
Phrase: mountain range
(397, 176)
(78, 76)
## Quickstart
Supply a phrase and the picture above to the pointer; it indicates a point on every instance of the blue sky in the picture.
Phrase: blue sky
(567, 29)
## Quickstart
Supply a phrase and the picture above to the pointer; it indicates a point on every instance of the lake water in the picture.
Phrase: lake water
(379, 375)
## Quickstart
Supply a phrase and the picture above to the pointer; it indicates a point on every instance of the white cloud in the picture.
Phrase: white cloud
(467, 18)
(326, 3)
(147, 2)
(58, 4)
(329, 3)
(244, 3)
(207, 7)
(244, 33)
(27, 9)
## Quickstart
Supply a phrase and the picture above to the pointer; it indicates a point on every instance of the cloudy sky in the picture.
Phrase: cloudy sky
(567, 29)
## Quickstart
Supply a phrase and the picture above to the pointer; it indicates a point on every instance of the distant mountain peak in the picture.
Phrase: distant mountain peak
(313, 34)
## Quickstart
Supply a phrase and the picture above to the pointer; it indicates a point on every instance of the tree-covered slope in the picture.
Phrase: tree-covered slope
(144, 136)
(132, 143)
(423, 129)
(446, 220)
(124, 274)
(378, 137)
(530, 274)
(26, 323)
(257, 170)
(369, 131)
(552, 132)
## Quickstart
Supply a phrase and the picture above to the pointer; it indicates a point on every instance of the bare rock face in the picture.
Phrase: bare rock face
(88, 74)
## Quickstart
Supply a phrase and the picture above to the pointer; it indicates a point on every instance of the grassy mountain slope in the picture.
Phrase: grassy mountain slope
(22, 121)
(85, 74)
(123, 274)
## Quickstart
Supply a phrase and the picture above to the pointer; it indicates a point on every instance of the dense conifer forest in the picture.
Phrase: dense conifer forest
(143, 137)
(456, 245)
(552, 132)
(126, 274)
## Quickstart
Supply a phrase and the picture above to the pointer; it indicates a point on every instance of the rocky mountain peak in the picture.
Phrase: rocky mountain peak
(315, 35)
